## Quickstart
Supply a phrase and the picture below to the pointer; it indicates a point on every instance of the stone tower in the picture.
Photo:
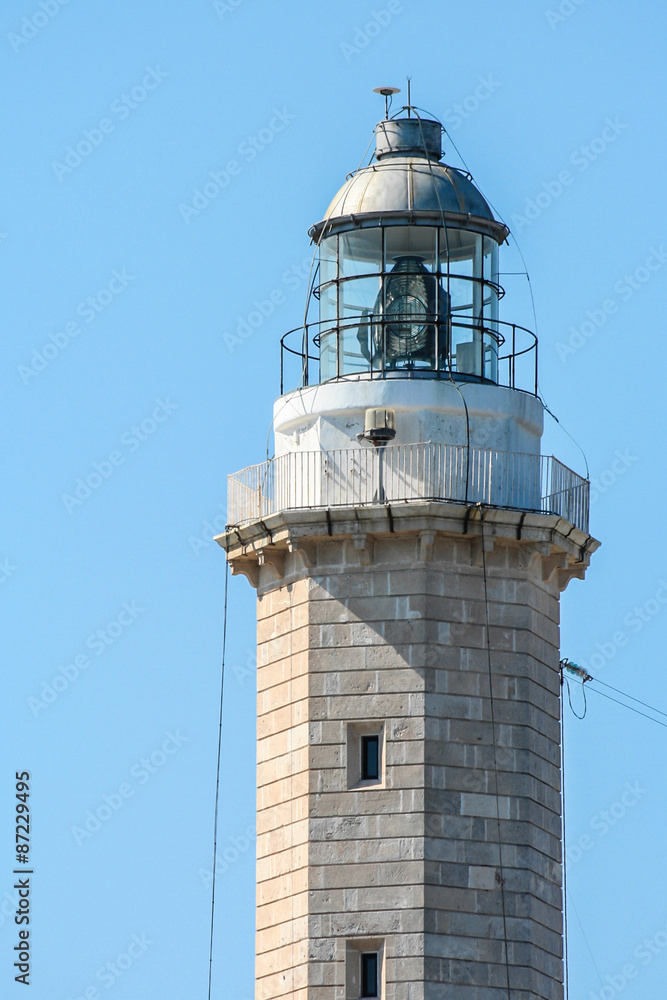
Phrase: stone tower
(409, 544)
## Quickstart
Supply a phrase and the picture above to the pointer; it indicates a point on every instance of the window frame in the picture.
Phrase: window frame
(355, 734)
(355, 950)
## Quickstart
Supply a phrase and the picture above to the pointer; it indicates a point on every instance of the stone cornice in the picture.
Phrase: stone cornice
(563, 548)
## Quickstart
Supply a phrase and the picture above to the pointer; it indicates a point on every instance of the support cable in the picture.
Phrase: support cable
(566, 956)
(531, 293)
(626, 695)
(630, 708)
(465, 408)
(565, 431)
(585, 678)
(523, 261)
(495, 759)
(291, 778)
(569, 698)
(590, 951)
(446, 232)
(574, 668)
(217, 779)
(448, 331)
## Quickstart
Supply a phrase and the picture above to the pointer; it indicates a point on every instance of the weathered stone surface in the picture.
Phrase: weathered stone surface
(460, 841)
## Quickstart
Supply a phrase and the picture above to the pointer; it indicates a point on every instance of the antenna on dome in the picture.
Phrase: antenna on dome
(387, 92)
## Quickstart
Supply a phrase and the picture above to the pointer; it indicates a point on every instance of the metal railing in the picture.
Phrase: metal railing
(403, 473)
(508, 351)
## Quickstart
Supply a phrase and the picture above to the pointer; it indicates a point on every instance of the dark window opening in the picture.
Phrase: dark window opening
(369, 972)
(370, 765)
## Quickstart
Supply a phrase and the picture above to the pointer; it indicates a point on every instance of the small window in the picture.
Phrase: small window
(364, 968)
(365, 754)
(370, 765)
(369, 974)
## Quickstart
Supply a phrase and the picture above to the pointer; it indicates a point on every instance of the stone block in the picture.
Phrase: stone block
(404, 752)
(483, 877)
(377, 923)
(277, 939)
(495, 806)
(331, 660)
(279, 887)
(282, 695)
(282, 839)
(385, 657)
(276, 768)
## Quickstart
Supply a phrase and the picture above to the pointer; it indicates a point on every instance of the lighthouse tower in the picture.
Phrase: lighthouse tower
(409, 543)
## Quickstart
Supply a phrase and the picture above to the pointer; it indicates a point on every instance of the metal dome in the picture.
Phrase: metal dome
(414, 188)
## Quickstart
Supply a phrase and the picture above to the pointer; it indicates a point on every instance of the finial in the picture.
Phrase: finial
(409, 101)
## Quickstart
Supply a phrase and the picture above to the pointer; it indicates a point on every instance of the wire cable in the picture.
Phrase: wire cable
(445, 229)
(364, 156)
(465, 407)
(569, 698)
(590, 951)
(448, 332)
(531, 293)
(495, 759)
(626, 695)
(586, 678)
(566, 956)
(458, 153)
(629, 708)
(310, 286)
(565, 431)
(217, 779)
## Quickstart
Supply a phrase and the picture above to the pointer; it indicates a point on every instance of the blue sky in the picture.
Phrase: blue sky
(123, 294)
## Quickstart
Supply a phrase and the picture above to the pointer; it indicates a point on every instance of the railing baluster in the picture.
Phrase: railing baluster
(348, 477)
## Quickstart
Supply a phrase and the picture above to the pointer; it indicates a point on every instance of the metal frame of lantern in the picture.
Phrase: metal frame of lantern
(411, 288)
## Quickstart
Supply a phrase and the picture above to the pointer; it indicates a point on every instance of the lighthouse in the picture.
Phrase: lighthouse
(409, 543)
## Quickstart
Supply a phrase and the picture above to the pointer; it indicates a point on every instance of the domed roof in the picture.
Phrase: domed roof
(415, 188)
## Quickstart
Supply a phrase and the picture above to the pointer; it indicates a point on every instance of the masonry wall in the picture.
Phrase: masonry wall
(391, 636)
(283, 780)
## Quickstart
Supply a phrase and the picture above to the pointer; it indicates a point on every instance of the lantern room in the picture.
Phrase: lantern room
(406, 277)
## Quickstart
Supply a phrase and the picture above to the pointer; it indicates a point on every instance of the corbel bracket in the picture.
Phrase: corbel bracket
(274, 559)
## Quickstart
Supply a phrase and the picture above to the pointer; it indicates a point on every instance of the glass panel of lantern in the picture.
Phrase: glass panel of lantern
(360, 252)
(468, 260)
(360, 259)
(412, 303)
(328, 353)
(357, 298)
(410, 241)
(326, 292)
(326, 287)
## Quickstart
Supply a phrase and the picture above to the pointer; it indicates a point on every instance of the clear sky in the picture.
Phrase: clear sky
(123, 293)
